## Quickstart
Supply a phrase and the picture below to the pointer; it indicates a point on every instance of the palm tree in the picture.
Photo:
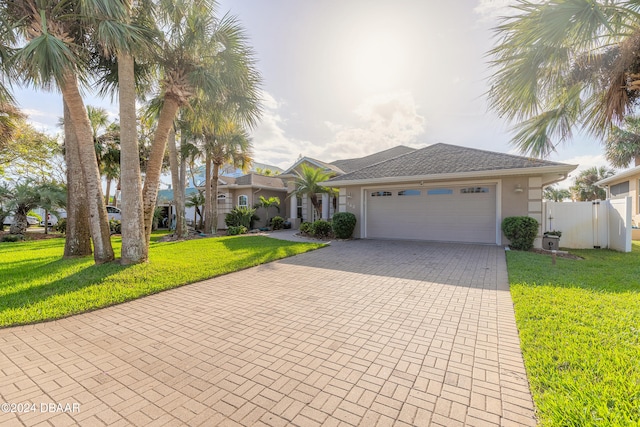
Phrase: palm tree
(268, 203)
(10, 116)
(307, 183)
(28, 195)
(584, 188)
(556, 194)
(196, 200)
(54, 50)
(622, 147)
(201, 56)
(565, 65)
(226, 143)
(109, 146)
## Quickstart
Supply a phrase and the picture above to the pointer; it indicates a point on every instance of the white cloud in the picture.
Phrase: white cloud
(271, 144)
(382, 122)
(385, 121)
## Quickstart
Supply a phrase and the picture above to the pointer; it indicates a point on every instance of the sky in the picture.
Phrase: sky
(344, 79)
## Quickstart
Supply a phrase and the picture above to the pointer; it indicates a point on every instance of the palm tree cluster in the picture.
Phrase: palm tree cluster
(564, 66)
(178, 56)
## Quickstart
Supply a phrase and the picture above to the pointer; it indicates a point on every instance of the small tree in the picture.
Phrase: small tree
(268, 203)
(28, 195)
(308, 183)
(196, 200)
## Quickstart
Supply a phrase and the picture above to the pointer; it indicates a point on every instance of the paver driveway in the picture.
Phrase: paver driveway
(359, 333)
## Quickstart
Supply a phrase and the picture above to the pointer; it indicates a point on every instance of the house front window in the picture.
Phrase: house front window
(243, 201)
(299, 206)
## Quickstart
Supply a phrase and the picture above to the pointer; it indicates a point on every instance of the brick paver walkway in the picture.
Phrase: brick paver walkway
(360, 333)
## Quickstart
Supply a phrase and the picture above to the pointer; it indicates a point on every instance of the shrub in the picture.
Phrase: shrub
(115, 226)
(305, 227)
(11, 238)
(343, 224)
(277, 223)
(553, 233)
(235, 230)
(61, 226)
(521, 231)
(321, 228)
(241, 216)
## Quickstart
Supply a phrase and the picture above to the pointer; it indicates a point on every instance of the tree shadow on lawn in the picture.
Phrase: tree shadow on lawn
(85, 277)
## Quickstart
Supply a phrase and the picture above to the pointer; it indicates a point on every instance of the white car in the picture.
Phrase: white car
(53, 220)
(114, 213)
(31, 220)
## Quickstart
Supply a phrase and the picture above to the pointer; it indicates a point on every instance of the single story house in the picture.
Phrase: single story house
(444, 193)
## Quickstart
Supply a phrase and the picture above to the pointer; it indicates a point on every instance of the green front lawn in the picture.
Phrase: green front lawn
(36, 284)
(579, 325)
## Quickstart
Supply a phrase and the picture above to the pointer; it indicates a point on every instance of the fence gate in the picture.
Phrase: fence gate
(584, 225)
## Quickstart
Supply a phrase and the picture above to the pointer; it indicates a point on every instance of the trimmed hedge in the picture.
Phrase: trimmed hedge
(321, 228)
(521, 231)
(343, 224)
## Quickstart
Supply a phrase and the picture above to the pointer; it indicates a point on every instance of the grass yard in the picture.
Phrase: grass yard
(579, 325)
(36, 284)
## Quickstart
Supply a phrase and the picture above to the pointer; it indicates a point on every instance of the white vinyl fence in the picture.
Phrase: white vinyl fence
(587, 225)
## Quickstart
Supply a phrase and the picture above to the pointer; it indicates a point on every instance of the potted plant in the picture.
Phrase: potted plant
(551, 240)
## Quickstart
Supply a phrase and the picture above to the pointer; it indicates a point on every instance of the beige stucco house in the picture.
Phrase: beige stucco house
(244, 190)
(445, 193)
(624, 184)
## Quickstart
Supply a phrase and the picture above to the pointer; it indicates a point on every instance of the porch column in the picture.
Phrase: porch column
(293, 209)
(325, 206)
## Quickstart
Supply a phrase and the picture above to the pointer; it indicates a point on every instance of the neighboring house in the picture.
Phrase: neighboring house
(445, 193)
(623, 184)
(235, 188)
(241, 191)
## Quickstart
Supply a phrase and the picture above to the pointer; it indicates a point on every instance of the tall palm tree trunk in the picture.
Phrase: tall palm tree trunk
(154, 166)
(78, 238)
(134, 247)
(108, 191)
(208, 218)
(98, 222)
(214, 198)
(183, 181)
(178, 191)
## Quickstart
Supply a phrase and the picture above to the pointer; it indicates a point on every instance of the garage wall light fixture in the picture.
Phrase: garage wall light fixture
(518, 189)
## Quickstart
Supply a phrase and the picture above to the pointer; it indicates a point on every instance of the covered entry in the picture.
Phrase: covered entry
(448, 213)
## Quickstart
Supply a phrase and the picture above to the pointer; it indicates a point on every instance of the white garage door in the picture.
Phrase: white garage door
(445, 213)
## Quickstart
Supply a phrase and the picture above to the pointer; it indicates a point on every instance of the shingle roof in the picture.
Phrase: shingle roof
(443, 159)
(351, 165)
(260, 180)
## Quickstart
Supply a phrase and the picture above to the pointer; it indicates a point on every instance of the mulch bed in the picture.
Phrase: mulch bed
(35, 235)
